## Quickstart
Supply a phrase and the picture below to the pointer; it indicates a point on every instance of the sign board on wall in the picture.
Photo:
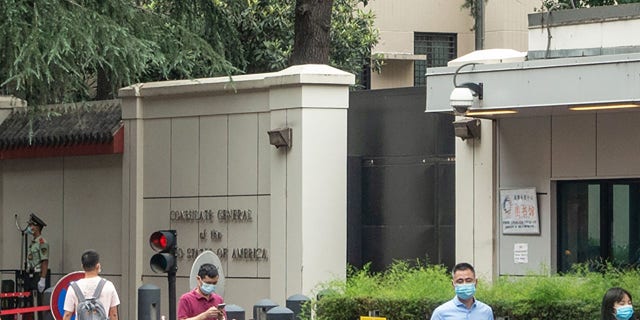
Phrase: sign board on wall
(519, 211)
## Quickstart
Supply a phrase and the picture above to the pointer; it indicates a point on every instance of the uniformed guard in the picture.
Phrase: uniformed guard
(37, 258)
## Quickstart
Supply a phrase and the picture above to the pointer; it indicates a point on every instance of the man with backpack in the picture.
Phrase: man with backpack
(92, 297)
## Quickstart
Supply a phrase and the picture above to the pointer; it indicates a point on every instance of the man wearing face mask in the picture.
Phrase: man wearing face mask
(463, 305)
(202, 302)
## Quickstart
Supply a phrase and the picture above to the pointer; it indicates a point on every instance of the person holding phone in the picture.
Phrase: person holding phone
(202, 303)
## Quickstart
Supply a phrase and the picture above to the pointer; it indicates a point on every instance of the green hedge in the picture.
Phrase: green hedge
(406, 292)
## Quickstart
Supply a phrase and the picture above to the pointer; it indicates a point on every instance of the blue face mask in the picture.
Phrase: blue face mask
(29, 230)
(207, 288)
(624, 312)
(465, 291)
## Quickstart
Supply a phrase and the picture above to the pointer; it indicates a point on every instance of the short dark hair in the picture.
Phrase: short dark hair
(90, 260)
(207, 270)
(463, 266)
(613, 295)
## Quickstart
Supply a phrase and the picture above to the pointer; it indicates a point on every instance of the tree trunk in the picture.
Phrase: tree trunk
(312, 26)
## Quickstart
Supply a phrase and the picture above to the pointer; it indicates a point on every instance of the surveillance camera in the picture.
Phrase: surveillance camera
(461, 99)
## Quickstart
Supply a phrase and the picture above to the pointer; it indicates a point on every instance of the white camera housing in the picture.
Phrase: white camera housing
(462, 99)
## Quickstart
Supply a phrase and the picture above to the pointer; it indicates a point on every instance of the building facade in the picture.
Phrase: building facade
(554, 165)
(417, 34)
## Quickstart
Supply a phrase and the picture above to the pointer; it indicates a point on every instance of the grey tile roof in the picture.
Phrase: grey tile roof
(64, 125)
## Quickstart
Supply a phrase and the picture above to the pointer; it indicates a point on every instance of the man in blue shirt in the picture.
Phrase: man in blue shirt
(463, 306)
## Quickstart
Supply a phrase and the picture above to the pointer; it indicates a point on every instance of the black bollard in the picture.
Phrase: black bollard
(261, 307)
(296, 303)
(46, 299)
(148, 302)
(280, 313)
(234, 312)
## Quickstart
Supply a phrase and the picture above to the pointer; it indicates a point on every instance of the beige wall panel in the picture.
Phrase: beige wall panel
(188, 233)
(25, 181)
(395, 41)
(278, 213)
(294, 210)
(516, 40)
(243, 234)
(524, 161)
(156, 217)
(506, 23)
(395, 73)
(264, 153)
(93, 201)
(245, 293)
(525, 153)
(157, 158)
(465, 249)
(323, 200)
(573, 146)
(618, 157)
(185, 155)
(243, 149)
(226, 103)
(484, 202)
(213, 155)
(263, 221)
(311, 96)
(218, 245)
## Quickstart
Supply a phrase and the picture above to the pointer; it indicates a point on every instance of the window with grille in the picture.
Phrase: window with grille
(440, 48)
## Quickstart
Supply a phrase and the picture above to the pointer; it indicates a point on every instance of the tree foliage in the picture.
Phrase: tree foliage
(54, 51)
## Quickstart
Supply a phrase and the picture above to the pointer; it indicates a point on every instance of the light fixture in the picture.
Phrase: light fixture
(605, 107)
(467, 128)
(490, 112)
(280, 137)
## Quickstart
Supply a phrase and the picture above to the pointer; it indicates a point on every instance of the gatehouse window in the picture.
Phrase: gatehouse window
(440, 48)
(598, 220)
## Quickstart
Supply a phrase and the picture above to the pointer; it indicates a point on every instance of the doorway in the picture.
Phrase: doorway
(598, 220)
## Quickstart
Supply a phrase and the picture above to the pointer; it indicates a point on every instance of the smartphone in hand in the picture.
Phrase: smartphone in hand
(221, 306)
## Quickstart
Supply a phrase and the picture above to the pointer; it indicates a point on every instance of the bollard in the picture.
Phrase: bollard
(234, 312)
(46, 299)
(280, 313)
(148, 302)
(261, 307)
(296, 303)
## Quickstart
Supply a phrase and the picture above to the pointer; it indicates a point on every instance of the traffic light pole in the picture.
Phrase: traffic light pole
(171, 277)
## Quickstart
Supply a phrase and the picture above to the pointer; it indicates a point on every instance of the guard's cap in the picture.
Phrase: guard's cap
(34, 220)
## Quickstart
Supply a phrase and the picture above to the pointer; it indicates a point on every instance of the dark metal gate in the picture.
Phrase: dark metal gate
(401, 175)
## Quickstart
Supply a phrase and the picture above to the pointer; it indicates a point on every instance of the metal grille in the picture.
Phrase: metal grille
(440, 48)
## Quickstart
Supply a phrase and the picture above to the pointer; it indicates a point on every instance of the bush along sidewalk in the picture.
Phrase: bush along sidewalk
(409, 291)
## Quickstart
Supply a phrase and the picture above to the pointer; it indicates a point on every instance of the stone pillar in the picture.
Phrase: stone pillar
(475, 202)
(308, 180)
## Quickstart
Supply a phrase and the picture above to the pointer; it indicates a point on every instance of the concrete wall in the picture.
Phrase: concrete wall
(585, 146)
(203, 146)
(533, 152)
(80, 200)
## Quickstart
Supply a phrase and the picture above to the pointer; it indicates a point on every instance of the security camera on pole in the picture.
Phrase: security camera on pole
(165, 243)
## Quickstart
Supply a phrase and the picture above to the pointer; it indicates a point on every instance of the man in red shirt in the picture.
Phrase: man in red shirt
(202, 302)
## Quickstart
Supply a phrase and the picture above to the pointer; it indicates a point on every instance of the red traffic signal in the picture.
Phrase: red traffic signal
(165, 243)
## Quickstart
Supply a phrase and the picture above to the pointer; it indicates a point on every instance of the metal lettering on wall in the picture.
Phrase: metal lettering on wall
(222, 216)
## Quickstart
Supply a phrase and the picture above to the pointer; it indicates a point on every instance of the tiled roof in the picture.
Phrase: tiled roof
(65, 125)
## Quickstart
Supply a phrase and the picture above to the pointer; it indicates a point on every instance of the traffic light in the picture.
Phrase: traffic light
(165, 243)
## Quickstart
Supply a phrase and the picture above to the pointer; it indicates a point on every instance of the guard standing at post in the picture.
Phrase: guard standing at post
(37, 258)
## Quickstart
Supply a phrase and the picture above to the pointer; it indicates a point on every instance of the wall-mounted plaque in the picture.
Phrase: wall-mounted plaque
(519, 211)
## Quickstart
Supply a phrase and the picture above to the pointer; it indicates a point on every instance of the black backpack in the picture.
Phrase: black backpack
(90, 308)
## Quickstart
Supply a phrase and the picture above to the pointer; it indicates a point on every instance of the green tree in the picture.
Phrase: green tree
(54, 51)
